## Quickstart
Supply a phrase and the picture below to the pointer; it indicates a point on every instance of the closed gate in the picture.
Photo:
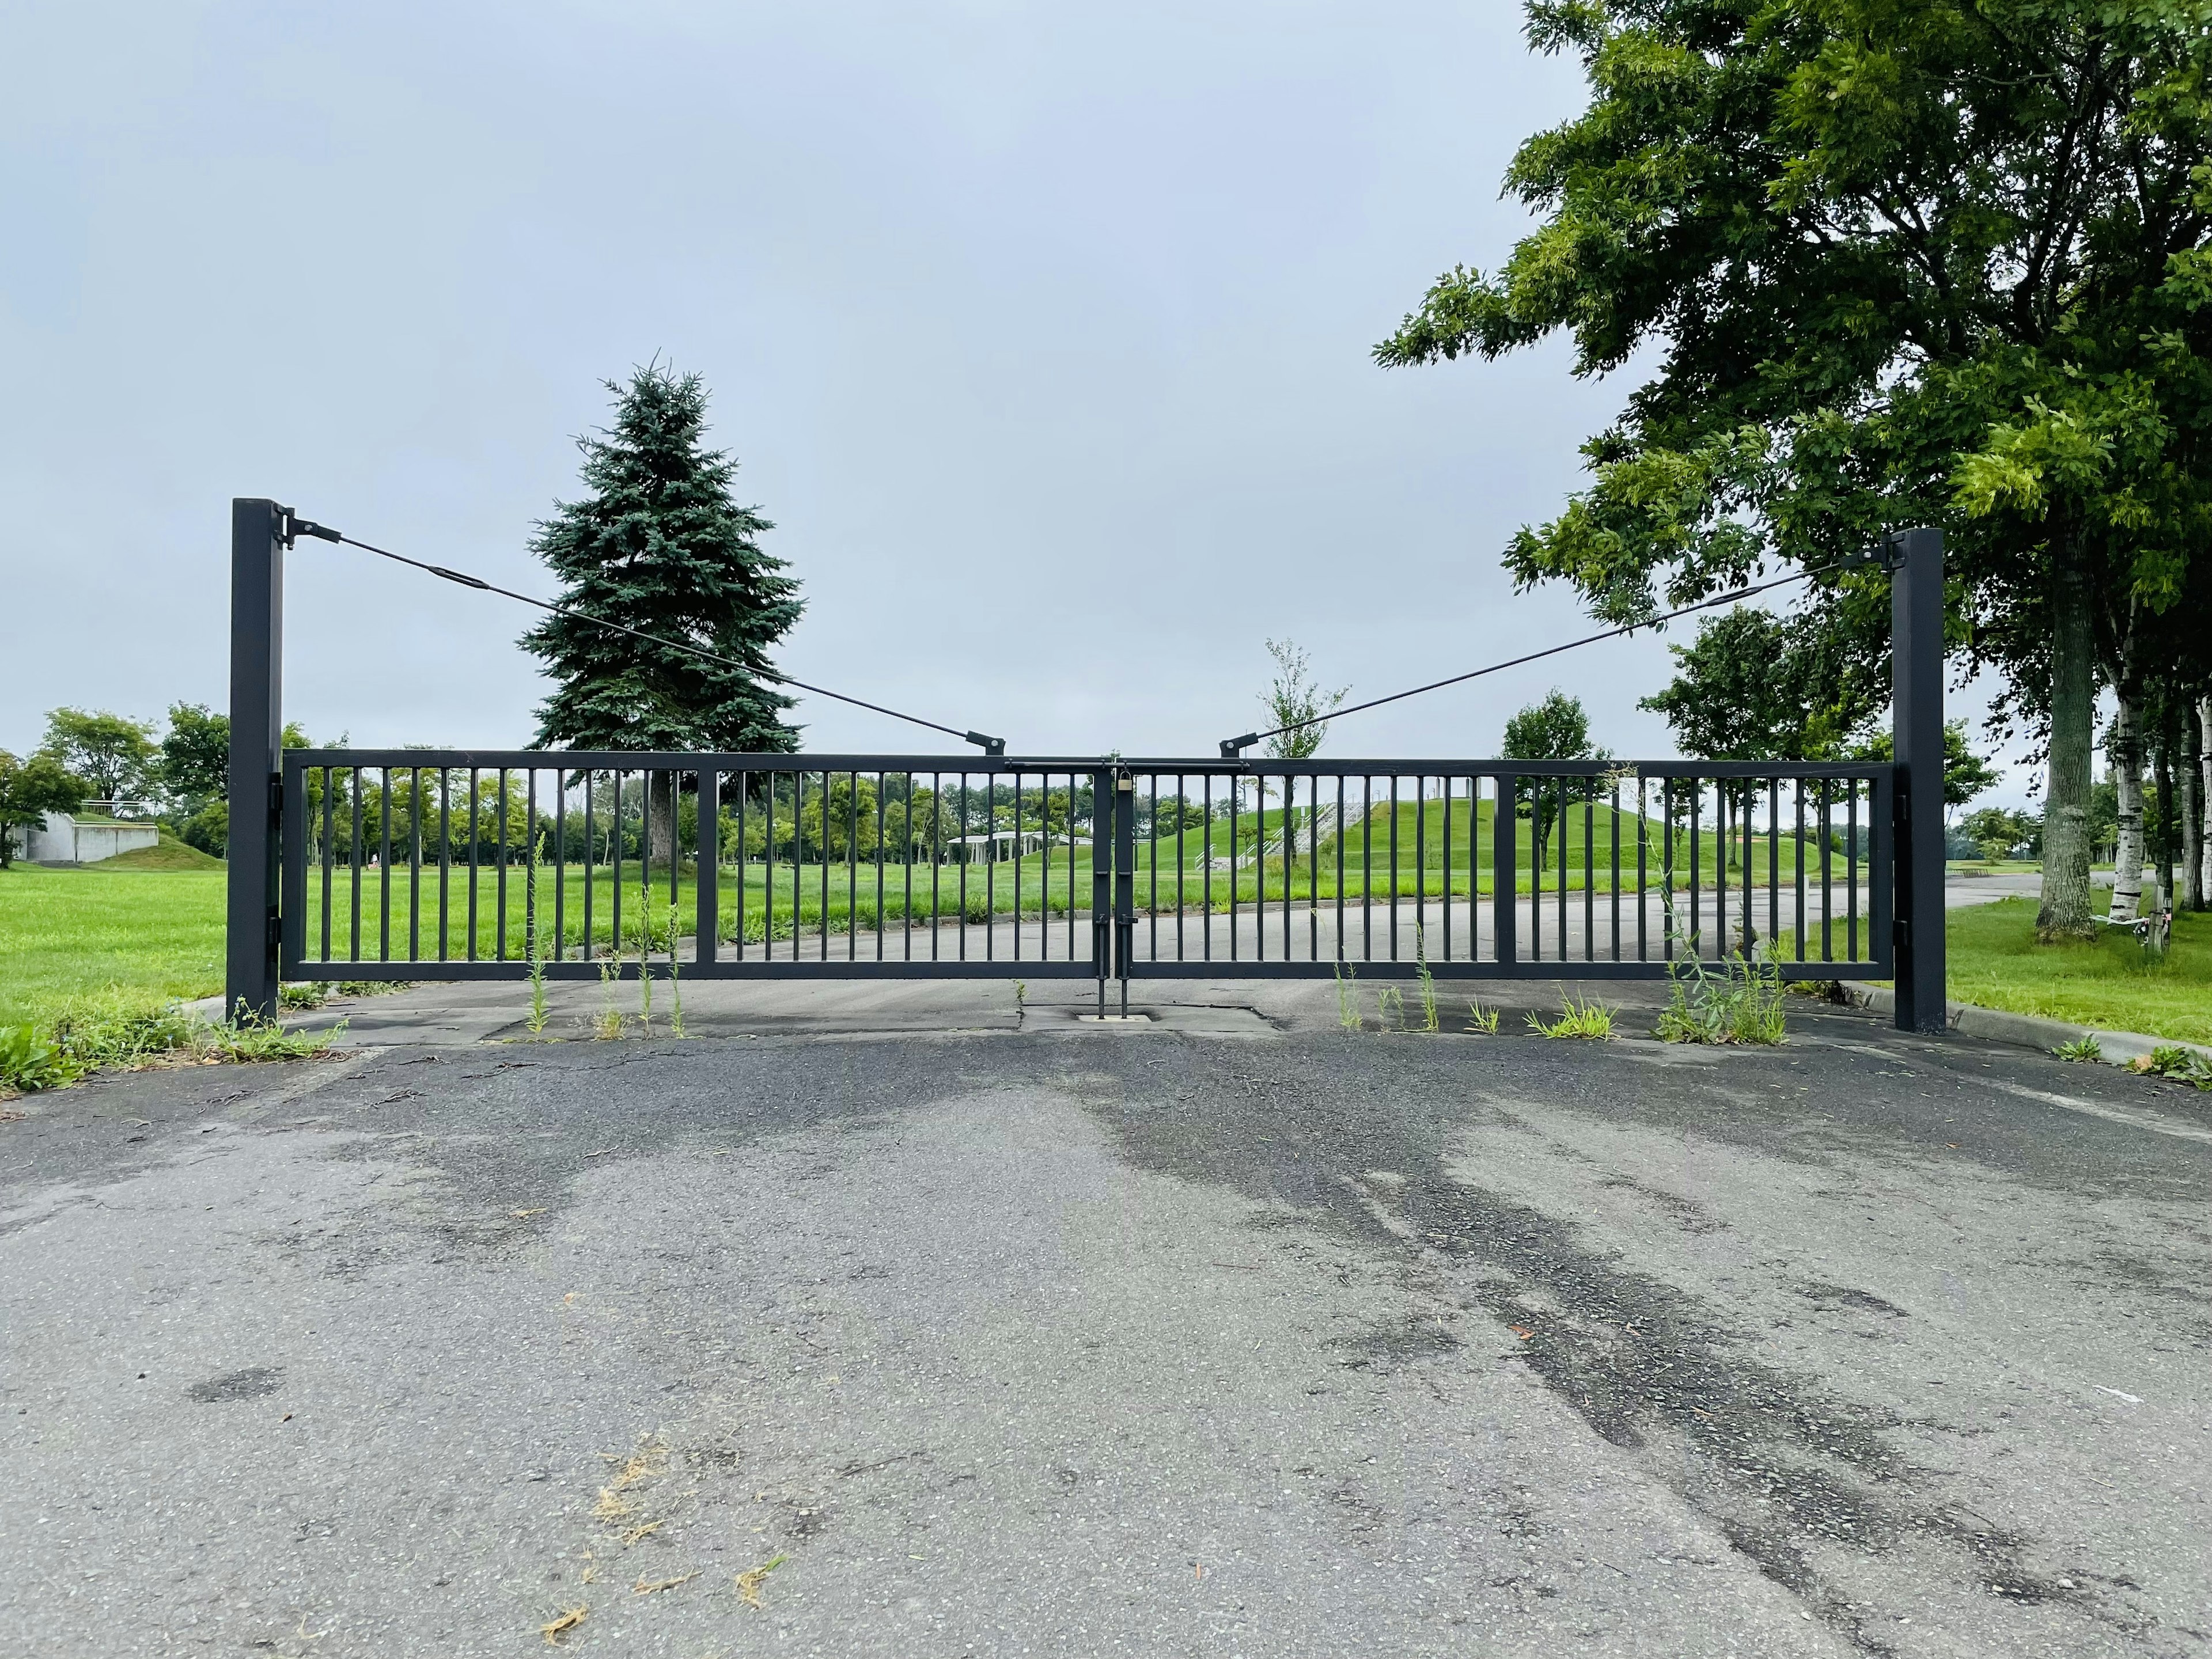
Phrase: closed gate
(417, 863)
(420, 864)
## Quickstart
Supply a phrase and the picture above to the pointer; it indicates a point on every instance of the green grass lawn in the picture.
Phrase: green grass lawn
(143, 934)
(2108, 982)
(115, 935)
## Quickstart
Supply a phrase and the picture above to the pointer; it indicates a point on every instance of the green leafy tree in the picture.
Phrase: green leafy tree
(1752, 687)
(30, 789)
(1894, 263)
(1557, 728)
(1966, 774)
(114, 756)
(658, 544)
(196, 756)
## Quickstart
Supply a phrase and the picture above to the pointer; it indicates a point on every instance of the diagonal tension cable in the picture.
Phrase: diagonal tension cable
(1233, 748)
(295, 525)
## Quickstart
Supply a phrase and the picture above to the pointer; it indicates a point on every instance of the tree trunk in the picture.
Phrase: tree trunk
(2204, 802)
(2163, 904)
(2127, 753)
(2065, 912)
(662, 786)
(2189, 800)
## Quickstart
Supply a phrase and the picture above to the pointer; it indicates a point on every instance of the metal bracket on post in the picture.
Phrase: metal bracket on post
(258, 532)
(1917, 831)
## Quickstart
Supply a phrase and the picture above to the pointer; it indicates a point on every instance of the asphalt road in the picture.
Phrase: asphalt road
(1064, 1339)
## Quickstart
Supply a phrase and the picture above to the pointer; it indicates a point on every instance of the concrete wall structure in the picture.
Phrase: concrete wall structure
(62, 840)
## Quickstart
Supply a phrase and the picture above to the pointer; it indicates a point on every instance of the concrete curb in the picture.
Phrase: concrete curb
(2027, 1030)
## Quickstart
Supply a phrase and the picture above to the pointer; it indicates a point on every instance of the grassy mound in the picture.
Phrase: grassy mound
(170, 855)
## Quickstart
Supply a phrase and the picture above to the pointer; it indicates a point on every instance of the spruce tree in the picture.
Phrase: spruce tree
(660, 545)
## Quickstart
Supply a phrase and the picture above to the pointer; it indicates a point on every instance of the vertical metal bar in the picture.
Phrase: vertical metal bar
(1394, 867)
(1802, 942)
(415, 864)
(1882, 933)
(1206, 785)
(530, 865)
(292, 826)
(1447, 792)
(1642, 870)
(1183, 825)
(1340, 867)
(1125, 879)
(1152, 899)
(1667, 860)
(1538, 865)
(476, 796)
(1504, 901)
(1696, 917)
(1828, 863)
(906, 838)
(384, 866)
(1773, 866)
(1017, 867)
(1313, 866)
(853, 870)
(617, 832)
(936, 857)
(1563, 951)
(1612, 878)
(744, 862)
(990, 863)
(1236, 789)
(1851, 864)
(560, 864)
(330, 849)
(880, 781)
(354, 848)
(500, 878)
(1589, 874)
(591, 869)
(251, 967)
(1420, 864)
(964, 833)
(1367, 868)
(445, 857)
(707, 895)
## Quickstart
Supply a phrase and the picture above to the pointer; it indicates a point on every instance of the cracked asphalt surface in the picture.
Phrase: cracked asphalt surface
(1084, 1340)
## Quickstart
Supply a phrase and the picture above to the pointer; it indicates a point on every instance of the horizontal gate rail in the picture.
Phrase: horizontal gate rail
(406, 864)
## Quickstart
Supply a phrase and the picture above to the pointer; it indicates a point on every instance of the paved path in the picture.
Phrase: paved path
(1220, 1332)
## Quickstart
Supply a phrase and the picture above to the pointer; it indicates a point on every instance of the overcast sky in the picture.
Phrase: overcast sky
(1041, 333)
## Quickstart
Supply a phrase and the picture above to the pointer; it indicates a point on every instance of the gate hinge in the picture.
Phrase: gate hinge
(1901, 926)
(275, 931)
(276, 794)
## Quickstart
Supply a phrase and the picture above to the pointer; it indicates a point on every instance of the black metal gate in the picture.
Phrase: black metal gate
(426, 864)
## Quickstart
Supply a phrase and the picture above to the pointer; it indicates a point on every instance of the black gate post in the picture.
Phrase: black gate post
(1917, 704)
(257, 756)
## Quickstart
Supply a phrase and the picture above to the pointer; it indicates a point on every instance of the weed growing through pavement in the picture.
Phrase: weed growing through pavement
(609, 1025)
(1591, 1021)
(1741, 1003)
(2080, 1048)
(304, 998)
(1390, 1008)
(534, 947)
(1347, 995)
(1426, 980)
(1481, 1019)
(675, 985)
